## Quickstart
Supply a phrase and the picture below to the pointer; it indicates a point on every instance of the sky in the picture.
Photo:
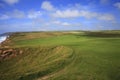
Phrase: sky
(52, 15)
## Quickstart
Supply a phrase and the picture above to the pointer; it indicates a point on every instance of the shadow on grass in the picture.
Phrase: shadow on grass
(55, 67)
(100, 34)
(59, 65)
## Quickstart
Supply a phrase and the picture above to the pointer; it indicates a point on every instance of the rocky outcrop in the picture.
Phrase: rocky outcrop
(6, 53)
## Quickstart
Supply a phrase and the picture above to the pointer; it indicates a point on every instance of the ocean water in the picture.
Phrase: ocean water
(3, 38)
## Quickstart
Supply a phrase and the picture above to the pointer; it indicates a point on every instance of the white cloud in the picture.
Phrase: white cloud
(71, 12)
(3, 17)
(66, 24)
(11, 1)
(1, 5)
(75, 13)
(17, 14)
(56, 22)
(66, 13)
(87, 14)
(34, 14)
(14, 14)
(104, 1)
(46, 5)
(117, 5)
(59, 23)
(107, 17)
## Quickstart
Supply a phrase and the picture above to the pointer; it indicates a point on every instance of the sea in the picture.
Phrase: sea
(3, 38)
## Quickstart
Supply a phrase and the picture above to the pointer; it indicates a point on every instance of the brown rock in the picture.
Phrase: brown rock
(0, 51)
(7, 51)
(20, 51)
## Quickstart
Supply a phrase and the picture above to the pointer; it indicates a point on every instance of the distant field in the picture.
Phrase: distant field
(71, 55)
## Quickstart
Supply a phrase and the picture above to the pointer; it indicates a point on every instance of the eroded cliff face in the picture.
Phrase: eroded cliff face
(7, 53)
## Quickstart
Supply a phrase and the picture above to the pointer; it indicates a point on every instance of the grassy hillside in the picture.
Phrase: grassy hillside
(71, 55)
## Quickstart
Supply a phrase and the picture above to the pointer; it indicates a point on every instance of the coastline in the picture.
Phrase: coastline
(3, 38)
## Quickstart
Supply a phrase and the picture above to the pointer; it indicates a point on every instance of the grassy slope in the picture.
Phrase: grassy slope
(63, 56)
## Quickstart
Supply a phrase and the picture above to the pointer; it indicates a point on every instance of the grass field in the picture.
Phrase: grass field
(72, 55)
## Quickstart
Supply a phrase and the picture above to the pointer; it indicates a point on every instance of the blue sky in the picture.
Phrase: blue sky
(47, 15)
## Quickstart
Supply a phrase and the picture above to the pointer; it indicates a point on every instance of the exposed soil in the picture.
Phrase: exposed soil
(7, 53)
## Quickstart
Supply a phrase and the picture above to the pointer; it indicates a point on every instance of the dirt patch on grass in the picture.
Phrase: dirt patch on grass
(7, 53)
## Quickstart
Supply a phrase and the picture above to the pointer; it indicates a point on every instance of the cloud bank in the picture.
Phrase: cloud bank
(117, 5)
(11, 2)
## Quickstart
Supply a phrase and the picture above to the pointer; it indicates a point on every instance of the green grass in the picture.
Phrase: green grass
(64, 56)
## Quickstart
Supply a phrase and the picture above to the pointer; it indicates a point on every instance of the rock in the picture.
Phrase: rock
(8, 53)
(20, 51)
(0, 51)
